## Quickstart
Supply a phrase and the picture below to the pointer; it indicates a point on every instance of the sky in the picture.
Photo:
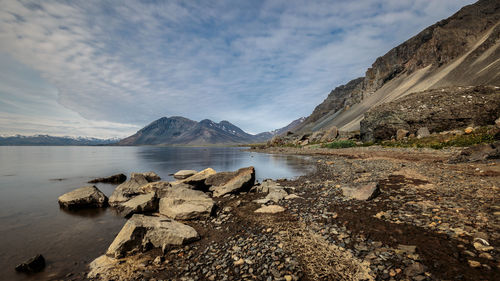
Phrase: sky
(108, 68)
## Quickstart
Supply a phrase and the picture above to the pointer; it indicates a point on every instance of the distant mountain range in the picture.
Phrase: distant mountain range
(462, 50)
(182, 131)
(55, 141)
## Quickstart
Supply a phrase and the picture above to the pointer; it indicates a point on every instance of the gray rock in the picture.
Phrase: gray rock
(186, 204)
(130, 188)
(423, 132)
(183, 174)
(140, 231)
(242, 181)
(83, 197)
(139, 204)
(276, 194)
(34, 264)
(365, 192)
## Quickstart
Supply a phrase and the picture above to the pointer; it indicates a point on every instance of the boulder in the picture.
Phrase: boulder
(365, 192)
(242, 181)
(271, 209)
(401, 134)
(266, 186)
(316, 136)
(198, 180)
(83, 197)
(186, 204)
(423, 132)
(330, 135)
(101, 267)
(183, 174)
(141, 232)
(34, 264)
(139, 204)
(114, 179)
(157, 187)
(220, 178)
(130, 188)
(276, 194)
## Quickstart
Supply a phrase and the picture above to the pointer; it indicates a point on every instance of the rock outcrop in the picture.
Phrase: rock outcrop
(242, 181)
(131, 188)
(83, 197)
(141, 232)
(438, 110)
(186, 204)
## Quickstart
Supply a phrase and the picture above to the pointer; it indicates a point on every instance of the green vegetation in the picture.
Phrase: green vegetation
(340, 144)
(481, 135)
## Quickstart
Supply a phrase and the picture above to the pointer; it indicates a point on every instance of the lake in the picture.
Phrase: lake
(31, 179)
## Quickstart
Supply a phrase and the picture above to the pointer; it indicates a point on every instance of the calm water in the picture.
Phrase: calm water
(31, 179)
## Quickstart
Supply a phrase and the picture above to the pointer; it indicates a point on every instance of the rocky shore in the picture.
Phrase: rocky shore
(365, 213)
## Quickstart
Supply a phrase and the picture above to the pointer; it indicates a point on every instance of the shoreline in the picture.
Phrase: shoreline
(425, 224)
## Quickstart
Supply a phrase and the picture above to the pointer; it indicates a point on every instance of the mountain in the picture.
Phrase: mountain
(53, 141)
(463, 50)
(182, 131)
(178, 130)
(265, 136)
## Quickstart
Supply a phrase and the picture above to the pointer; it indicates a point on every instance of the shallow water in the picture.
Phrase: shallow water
(31, 179)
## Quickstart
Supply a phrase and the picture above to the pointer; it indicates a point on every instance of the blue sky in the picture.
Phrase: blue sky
(107, 68)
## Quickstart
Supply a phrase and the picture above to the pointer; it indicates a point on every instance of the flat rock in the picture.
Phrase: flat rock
(140, 231)
(115, 179)
(34, 264)
(183, 174)
(186, 204)
(83, 197)
(139, 204)
(271, 209)
(242, 181)
(198, 180)
(365, 192)
(130, 188)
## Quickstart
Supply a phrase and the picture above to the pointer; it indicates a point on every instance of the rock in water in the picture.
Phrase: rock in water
(139, 204)
(183, 174)
(116, 179)
(83, 197)
(35, 264)
(242, 181)
(365, 192)
(140, 231)
(186, 204)
(271, 209)
(130, 188)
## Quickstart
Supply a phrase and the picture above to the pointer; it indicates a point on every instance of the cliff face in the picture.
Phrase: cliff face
(461, 50)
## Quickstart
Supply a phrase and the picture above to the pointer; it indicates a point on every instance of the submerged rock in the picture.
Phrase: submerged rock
(183, 174)
(186, 204)
(34, 264)
(130, 188)
(83, 197)
(116, 179)
(141, 232)
(242, 181)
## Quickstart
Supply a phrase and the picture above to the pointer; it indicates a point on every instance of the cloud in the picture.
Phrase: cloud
(259, 64)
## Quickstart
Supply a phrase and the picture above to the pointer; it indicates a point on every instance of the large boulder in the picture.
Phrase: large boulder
(83, 197)
(114, 179)
(186, 204)
(438, 110)
(242, 181)
(365, 192)
(184, 174)
(141, 232)
(198, 180)
(220, 178)
(131, 188)
(330, 135)
(139, 204)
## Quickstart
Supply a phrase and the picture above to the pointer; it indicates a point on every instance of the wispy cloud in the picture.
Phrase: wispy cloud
(259, 64)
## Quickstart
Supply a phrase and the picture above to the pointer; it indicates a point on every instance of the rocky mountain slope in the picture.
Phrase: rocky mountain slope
(462, 50)
(182, 131)
(51, 140)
